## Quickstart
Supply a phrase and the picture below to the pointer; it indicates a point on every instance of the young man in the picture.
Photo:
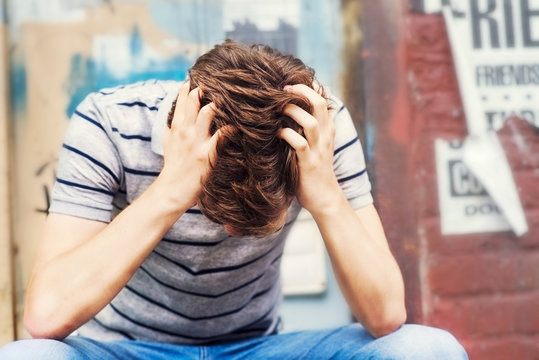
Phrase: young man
(139, 271)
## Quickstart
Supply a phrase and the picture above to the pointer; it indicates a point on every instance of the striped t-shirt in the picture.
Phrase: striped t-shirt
(199, 285)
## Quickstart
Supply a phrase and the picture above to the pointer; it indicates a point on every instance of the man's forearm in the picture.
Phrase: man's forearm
(69, 289)
(366, 270)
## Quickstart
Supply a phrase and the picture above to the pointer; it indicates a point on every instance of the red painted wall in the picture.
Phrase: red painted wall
(482, 287)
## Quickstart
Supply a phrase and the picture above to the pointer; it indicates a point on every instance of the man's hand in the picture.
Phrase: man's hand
(189, 148)
(366, 271)
(318, 186)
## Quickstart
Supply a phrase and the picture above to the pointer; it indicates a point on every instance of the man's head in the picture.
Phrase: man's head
(255, 176)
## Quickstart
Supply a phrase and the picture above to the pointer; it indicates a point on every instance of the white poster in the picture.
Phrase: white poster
(465, 206)
(502, 39)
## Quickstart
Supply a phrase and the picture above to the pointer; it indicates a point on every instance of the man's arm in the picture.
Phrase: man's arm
(82, 264)
(367, 272)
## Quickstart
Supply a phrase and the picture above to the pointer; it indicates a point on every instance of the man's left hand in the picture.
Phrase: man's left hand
(318, 187)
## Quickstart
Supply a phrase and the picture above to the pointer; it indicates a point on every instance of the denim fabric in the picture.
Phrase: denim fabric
(413, 342)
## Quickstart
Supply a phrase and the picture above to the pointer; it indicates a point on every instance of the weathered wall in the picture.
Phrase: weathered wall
(389, 127)
(6, 285)
(400, 87)
(484, 287)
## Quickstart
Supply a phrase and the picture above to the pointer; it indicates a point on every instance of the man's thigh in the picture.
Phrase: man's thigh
(412, 342)
(80, 348)
(44, 349)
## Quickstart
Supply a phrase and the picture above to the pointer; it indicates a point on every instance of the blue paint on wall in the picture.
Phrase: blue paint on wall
(137, 46)
(18, 88)
(194, 21)
(320, 39)
(88, 75)
(370, 130)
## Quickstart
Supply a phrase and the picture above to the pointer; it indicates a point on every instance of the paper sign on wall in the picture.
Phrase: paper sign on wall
(501, 38)
(465, 206)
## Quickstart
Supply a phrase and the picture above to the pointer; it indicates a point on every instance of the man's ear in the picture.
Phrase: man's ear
(232, 230)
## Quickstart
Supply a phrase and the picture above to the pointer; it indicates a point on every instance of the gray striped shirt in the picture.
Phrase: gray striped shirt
(199, 285)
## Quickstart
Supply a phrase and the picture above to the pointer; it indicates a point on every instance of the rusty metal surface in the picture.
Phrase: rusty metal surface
(387, 124)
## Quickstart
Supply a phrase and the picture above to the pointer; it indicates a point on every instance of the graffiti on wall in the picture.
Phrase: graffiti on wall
(45, 174)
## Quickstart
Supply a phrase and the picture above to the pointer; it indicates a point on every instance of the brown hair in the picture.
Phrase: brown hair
(255, 176)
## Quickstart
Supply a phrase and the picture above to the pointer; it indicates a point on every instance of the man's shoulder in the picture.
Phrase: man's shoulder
(128, 105)
(126, 112)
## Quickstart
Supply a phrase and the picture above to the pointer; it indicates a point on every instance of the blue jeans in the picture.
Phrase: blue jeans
(349, 342)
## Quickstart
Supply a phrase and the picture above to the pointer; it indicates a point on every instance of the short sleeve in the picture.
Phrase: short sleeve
(348, 159)
(89, 168)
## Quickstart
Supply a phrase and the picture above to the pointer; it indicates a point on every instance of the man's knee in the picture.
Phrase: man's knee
(421, 342)
(38, 349)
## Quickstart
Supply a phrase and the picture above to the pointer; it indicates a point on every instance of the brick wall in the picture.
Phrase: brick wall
(485, 287)
(482, 287)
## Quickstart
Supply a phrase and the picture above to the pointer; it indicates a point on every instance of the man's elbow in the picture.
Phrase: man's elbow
(41, 324)
(387, 323)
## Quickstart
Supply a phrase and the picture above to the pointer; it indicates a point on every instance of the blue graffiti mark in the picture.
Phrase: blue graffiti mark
(88, 75)
(370, 133)
(18, 88)
(136, 44)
